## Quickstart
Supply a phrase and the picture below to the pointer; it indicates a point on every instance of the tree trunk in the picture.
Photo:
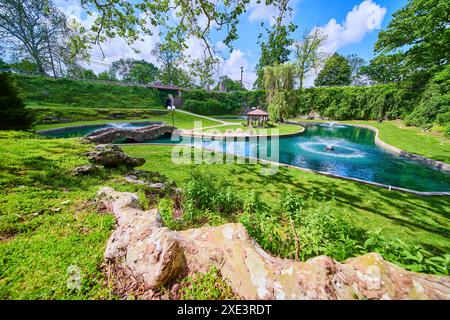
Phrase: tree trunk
(51, 55)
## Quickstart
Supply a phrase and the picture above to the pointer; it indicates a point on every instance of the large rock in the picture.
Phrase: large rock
(112, 156)
(111, 135)
(157, 255)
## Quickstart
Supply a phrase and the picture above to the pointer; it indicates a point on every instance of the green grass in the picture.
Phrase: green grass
(182, 121)
(42, 91)
(432, 145)
(49, 222)
(279, 129)
(59, 114)
(414, 219)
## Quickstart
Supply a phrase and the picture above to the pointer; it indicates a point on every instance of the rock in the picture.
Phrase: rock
(112, 156)
(157, 255)
(86, 170)
(111, 135)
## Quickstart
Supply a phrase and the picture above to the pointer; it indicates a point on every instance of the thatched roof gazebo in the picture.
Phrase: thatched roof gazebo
(258, 117)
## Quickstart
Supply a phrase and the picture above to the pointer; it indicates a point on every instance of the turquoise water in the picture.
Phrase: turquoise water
(342, 150)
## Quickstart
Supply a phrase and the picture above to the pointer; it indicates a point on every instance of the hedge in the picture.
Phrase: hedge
(345, 103)
(220, 103)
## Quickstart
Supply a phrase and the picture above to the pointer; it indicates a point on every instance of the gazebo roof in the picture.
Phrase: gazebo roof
(257, 112)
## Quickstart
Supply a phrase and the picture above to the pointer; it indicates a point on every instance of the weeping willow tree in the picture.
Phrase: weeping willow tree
(279, 84)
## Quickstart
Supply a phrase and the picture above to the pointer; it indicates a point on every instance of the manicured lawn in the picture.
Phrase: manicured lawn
(54, 114)
(432, 145)
(415, 219)
(279, 129)
(182, 121)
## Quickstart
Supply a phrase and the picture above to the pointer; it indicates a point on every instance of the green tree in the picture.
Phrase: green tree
(143, 72)
(384, 68)
(133, 71)
(4, 67)
(38, 31)
(279, 84)
(420, 33)
(169, 59)
(203, 70)
(230, 84)
(13, 114)
(25, 66)
(106, 76)
(78, 72)
(336, 72)
(356, 63)
(308, 55)
(275, 49)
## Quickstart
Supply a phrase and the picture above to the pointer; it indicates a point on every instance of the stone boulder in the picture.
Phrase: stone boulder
(86, 170)
(148, 251)
(112, 156)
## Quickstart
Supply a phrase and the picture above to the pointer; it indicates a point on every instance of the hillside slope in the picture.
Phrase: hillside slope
(44, 92)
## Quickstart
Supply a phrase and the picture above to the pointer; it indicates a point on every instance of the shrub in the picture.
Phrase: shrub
(13, 114)
(206, 286)
(434, 105)
(206, 192)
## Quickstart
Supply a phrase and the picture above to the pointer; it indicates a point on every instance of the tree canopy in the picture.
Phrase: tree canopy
(308, 54)
(420, 33)
(336, 72)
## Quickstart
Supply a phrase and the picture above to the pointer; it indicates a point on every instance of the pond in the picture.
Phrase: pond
(342, 150)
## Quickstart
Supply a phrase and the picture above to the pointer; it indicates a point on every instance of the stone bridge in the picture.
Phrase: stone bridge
(111, 135)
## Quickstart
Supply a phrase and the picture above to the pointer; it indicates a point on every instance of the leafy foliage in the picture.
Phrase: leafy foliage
(206, 286)
(336, 72)
(345, 103)
(419, 32)
(434, 104)
(13, 115)
(221, 103)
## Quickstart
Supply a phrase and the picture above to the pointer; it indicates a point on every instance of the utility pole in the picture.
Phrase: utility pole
(242, 71)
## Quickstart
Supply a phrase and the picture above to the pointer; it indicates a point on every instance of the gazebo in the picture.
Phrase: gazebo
(257, 116)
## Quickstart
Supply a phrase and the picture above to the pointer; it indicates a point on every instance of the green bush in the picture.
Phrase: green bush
(434, 105)
(13, 114)
(206, 286)
(206, 192)
(313, 227)
(220, 103)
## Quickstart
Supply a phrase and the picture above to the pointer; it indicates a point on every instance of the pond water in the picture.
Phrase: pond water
(337, 149)
(341, 150)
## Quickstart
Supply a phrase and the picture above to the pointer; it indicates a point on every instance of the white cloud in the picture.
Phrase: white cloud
(231, 67)
(363, 19)
(268, 13)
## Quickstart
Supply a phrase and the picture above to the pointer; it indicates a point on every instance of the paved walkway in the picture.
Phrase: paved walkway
(205, 117)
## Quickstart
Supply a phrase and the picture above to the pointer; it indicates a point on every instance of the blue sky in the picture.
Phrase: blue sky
(351, 26)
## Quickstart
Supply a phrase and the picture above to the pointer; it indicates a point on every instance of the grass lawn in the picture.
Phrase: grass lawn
(432, 145)
(49, 222)
(281, 129)
(85, 94)
(182, 121)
